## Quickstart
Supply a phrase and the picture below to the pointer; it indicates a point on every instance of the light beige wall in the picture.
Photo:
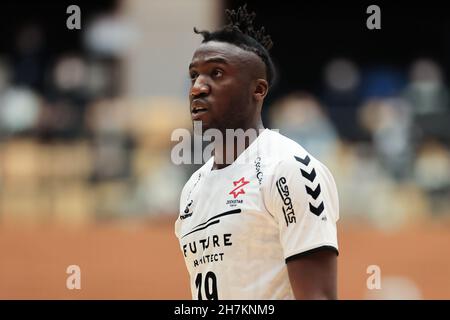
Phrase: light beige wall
(157, 63)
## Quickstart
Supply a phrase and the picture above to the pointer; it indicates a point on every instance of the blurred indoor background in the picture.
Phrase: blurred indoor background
(86, 118)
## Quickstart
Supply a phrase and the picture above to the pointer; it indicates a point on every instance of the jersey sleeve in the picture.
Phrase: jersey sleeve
(302, 198)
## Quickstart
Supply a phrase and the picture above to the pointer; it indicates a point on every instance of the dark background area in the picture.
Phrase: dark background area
(50, 16)
(306, 34)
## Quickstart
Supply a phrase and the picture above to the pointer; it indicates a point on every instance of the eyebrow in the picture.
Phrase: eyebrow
(211, 60)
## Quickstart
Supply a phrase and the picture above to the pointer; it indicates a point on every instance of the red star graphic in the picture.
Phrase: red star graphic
(238, 184)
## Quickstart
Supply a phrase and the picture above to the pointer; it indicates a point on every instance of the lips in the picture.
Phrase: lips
(198, 108)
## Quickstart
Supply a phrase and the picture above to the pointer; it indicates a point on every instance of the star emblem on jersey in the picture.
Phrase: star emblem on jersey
(239, 184)
(315, 191)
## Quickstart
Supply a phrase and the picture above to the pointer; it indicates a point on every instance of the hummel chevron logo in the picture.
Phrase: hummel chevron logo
(317, 211)
(238, 184)
(310, 176)
(305, 161)
(313, 193)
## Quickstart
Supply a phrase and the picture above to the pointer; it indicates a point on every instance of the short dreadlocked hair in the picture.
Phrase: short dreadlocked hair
(241, 32)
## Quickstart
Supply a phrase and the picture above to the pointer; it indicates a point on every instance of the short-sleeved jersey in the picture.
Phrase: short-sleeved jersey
(238, 226)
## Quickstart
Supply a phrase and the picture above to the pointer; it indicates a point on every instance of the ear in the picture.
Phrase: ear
(260, 90)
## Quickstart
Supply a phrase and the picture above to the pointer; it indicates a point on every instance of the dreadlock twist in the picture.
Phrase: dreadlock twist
(242, 21)
(241, 32)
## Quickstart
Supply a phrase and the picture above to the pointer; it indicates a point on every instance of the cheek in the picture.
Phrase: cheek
(233, 101)
(240, 93)
(242, 103)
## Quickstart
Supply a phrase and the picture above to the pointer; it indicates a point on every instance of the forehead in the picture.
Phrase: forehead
(217, 51)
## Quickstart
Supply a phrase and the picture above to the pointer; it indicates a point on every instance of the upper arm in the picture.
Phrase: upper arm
(313, 275)
(303, 199)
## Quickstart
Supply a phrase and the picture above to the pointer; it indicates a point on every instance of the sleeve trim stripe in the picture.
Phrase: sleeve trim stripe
(308, 252)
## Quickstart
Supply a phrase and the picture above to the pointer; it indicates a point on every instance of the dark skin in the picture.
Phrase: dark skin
(314, 276)
(233, 98)
(228, 85)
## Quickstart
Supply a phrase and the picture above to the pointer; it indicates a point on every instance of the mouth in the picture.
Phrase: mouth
(198, 108)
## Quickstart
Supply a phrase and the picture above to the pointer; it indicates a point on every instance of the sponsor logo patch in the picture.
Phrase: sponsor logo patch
(238, 187)
(259, 173)
(288, 209)
(187, 211)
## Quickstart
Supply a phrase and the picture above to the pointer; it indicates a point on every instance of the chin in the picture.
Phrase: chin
(200, 126)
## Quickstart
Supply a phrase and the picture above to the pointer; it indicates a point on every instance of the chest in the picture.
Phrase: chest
(216, 196)
(223, 219)
(232, 201)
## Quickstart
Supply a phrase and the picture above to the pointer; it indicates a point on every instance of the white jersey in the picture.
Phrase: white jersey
(239, 225)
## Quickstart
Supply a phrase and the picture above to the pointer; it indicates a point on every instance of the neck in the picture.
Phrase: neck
(233, 144)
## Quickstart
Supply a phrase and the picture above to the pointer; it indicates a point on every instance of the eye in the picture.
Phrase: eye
(217, 73)
(193, 75)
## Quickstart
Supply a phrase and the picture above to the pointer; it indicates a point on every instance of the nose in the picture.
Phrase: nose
(200, 88)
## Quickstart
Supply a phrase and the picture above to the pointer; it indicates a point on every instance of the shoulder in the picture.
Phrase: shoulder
(289, 158)
(196, 176)
(296, 174)
(280, 147)
(287, 154)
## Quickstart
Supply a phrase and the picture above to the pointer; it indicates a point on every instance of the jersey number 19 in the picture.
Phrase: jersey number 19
(209, 284)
